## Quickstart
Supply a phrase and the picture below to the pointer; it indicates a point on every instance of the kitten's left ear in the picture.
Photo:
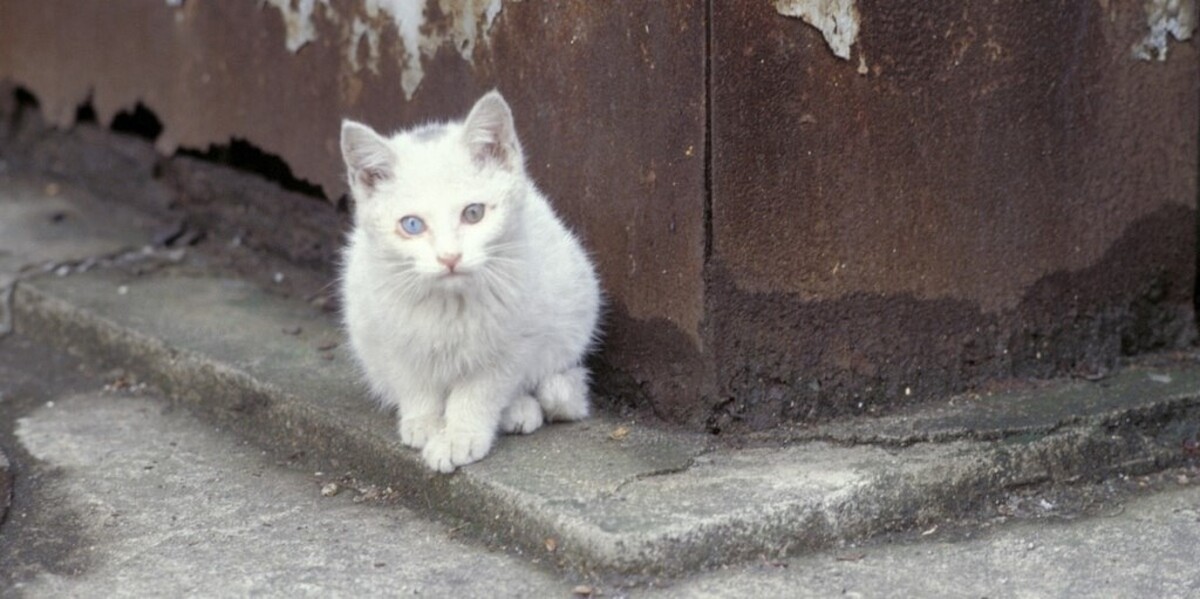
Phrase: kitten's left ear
(490, 133)
(368, 158)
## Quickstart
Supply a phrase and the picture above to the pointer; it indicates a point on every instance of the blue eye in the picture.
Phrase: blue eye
(412, 225)
(473, 213)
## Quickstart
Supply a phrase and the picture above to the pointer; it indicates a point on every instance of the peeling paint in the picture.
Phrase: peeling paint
(360, 30)
(298, 19)
(407, 16)
(1165, 18)
(837, 20)
(465, 23)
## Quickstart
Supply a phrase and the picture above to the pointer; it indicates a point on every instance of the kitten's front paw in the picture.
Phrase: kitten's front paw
(416, 431)
(448, 450)
(523, 415)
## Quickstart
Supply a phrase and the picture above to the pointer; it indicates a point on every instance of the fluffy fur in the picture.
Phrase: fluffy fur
(467, 328)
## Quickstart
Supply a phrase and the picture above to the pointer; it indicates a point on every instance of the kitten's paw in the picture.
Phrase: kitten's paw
(416, 431)
(523, 415)
(564, 396)
(448, 450)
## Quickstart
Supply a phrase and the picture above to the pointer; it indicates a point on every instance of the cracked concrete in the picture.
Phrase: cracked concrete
(1143, 549)
(646, 502)
(126, 496)
(156, 502)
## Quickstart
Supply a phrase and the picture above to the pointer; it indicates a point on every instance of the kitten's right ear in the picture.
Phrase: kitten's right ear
(368, 158)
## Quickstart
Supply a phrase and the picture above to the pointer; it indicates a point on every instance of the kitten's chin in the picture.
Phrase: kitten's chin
(452, 280)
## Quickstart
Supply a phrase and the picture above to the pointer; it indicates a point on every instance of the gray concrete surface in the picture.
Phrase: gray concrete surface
(170, 508)
(1143, 549)
(608, 496)
(5, 486)
(157, 503)
(125, 495)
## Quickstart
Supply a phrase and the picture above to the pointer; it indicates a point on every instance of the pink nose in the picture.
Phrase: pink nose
(450, 260)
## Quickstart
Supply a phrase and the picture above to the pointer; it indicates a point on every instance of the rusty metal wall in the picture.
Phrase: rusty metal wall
(981, 191)
(976, 191)
(609, 102)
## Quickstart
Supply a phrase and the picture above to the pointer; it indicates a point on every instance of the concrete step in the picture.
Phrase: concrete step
(120, 495)
(598, 496)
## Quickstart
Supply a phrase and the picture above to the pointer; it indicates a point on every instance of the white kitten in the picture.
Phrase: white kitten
(468, 304)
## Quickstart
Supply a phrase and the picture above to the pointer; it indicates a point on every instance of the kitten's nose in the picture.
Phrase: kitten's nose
(450, 260)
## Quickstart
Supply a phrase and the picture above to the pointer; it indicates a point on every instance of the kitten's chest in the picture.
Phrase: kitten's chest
(453, 330)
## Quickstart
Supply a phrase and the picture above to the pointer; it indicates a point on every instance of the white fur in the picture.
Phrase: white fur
(499, 343)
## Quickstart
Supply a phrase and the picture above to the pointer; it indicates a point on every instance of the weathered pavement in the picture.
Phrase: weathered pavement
(599, 498)
(1144, 549)
(123, 495)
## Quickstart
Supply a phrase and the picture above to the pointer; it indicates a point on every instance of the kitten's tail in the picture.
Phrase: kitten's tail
(564, 395)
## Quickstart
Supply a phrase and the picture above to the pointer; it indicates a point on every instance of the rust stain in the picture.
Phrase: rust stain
(951, 174)
(972, 198)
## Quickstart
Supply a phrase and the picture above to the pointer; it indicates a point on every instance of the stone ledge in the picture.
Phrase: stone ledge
(647, 502)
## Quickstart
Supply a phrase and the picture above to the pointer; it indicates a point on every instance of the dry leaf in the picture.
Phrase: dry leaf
(851, 557)
(551, 544)
(619, 433)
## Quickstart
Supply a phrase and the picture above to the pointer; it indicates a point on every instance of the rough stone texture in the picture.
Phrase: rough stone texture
(111, 478)
(978, 193)
(160, 504)
(1139, 549)
(5, 486)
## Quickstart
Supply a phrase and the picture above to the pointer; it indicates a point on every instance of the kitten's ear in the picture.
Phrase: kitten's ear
(490, 133)
(368, 158)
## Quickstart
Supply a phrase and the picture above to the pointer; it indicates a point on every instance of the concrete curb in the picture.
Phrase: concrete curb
(675, 504)
(643, 502)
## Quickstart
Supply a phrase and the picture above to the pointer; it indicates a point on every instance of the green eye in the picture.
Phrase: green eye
(473, 213)
(412, 225)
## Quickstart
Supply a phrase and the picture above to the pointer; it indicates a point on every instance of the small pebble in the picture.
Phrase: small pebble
(292, 330)
(330, 489)
(122, 290)
(583, 590)
(328, 345)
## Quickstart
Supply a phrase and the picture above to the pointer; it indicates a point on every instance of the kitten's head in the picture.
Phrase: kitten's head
(440, 201)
